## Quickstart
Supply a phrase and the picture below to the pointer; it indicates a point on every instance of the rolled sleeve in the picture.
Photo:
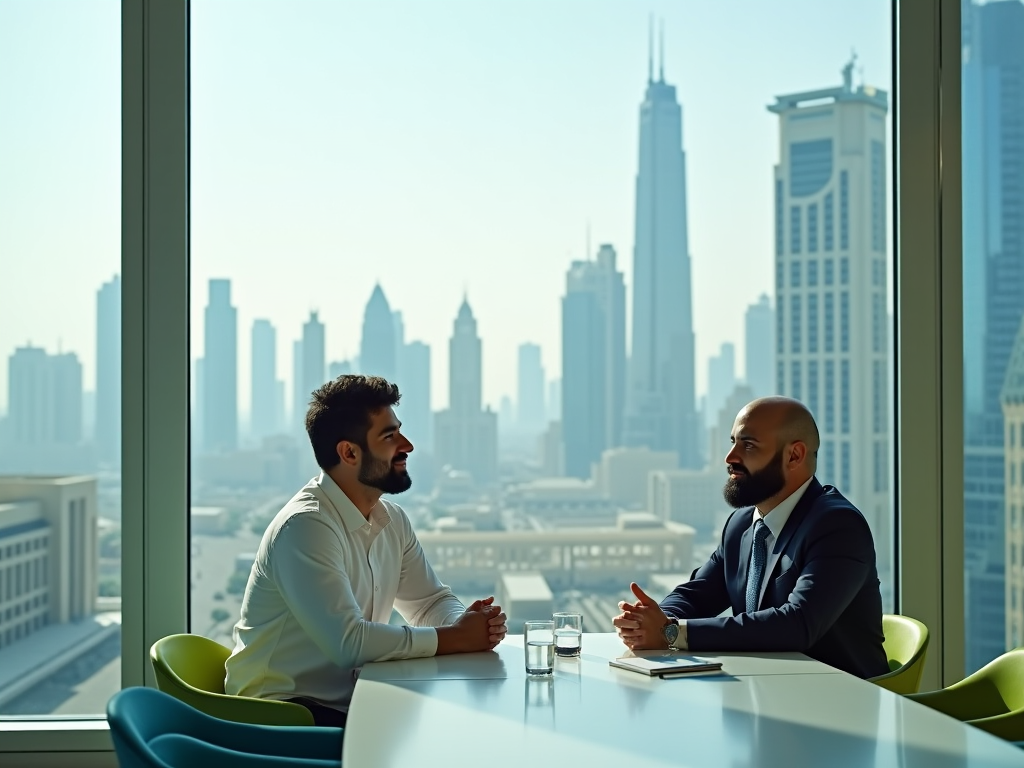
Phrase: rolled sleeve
(421, 598)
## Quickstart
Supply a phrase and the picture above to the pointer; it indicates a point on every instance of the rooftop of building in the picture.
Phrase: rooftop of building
(844, 93)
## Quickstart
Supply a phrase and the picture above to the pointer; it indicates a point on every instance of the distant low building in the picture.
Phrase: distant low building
(48, 553)
(560, 500)
(594, 558)
(523, 597)
(208, 521)
(622, 473)
(691, 496)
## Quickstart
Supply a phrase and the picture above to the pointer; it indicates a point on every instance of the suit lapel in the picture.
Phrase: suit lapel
(814, 490)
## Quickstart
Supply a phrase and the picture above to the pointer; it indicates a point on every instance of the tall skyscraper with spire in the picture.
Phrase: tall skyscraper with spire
(377, 348)
(465, 436)
(220, 370)
(661, 409)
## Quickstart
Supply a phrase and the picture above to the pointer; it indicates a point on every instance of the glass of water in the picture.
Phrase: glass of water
(539, 637)
(568, 633)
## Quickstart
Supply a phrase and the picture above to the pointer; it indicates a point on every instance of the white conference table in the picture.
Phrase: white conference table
(764, 710)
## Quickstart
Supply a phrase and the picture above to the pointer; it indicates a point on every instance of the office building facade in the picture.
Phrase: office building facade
(831, 281)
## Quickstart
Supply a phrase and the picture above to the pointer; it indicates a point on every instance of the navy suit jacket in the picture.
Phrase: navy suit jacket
(822, 597)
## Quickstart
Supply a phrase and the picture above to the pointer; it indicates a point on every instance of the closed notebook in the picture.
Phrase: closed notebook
(666, 663)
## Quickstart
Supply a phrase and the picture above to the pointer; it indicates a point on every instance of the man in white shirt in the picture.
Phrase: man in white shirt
(796, 563)
(335, 561)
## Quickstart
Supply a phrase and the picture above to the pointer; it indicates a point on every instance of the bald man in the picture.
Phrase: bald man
(796, 563)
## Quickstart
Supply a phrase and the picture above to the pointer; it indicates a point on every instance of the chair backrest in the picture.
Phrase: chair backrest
(905, 645)
(1006, 674)
(152, 729)
(191, 660)
(138, 715)
(191, 668)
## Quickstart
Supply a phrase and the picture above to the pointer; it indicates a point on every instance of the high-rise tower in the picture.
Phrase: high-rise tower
(466, 437)
(264, 411)
(993, 304)
(220, 370)
(314, 360)
(108, 371)
(377, 349)
(593, 360)
(759, 347)
(830, 279)
(661, 411)
(530, 390)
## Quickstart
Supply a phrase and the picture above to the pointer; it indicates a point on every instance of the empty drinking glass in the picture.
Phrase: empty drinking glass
(568, 633)
(539, 638)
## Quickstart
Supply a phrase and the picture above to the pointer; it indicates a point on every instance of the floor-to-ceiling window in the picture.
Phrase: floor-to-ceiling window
(580, 236)
(60, 356)
(993, 310)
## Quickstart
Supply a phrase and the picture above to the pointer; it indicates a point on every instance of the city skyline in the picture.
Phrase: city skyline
(589, 69)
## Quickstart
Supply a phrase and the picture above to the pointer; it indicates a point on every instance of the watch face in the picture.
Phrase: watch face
(671, 632)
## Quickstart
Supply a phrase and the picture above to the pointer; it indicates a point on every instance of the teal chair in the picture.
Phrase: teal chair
(151, 729)
(991, 699)
(191, 668)
(905, 645)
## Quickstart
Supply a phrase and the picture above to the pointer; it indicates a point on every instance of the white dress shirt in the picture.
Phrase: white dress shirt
(321, 592)
(775, 520)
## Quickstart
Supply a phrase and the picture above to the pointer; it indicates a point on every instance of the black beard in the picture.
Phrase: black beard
(380, 474)
(757, 486)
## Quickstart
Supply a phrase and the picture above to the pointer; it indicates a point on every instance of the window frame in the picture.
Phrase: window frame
(928, 525)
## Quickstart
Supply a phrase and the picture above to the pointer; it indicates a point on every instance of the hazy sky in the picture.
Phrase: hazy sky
(440, 148)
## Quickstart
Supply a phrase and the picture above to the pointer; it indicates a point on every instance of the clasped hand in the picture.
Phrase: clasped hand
(641, 623)
(483, 616)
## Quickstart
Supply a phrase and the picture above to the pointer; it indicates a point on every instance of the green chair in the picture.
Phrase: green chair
(191, 668)
(991, 699)
(905, 644)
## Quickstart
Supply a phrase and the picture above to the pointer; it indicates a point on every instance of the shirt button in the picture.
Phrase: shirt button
(376, 589)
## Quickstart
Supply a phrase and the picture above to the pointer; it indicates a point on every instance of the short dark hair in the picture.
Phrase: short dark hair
(342, 409)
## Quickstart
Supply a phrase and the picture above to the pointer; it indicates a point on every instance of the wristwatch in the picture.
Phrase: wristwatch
(671, 632)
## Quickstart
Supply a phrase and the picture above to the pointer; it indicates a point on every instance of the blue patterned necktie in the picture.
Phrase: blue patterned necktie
(758, 560)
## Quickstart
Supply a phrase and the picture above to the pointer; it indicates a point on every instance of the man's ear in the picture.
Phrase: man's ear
(797, 453)
(348, 452)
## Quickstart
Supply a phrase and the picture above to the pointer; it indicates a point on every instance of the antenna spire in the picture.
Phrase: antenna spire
(650, 48)
(661, 52)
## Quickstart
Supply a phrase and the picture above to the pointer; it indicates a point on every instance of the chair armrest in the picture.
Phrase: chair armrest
(179, 750)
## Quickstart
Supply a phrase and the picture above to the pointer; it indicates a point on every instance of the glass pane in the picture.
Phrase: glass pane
(580, 241)
(60, 339)
(993, 278)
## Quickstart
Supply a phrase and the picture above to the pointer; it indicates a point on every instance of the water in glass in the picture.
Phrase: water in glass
(567, 642)
(540, 657)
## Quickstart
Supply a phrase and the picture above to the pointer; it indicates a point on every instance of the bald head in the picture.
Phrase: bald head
(789, 420)
(774, 451)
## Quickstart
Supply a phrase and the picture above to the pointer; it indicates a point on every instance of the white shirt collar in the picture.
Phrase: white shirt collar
(348, 512)
(776, 519)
